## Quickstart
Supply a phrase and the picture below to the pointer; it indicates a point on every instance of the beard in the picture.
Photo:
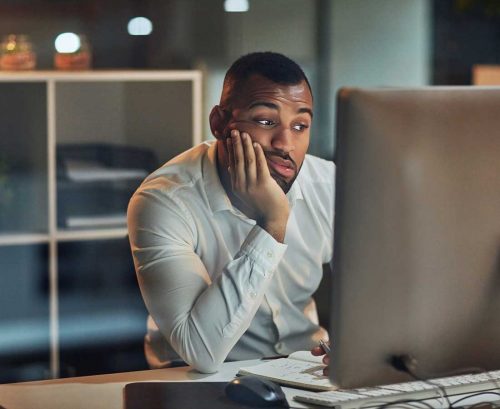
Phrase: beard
(282, 182)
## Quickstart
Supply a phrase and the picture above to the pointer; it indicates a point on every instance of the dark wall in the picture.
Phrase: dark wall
(183, 30)
(466, 32)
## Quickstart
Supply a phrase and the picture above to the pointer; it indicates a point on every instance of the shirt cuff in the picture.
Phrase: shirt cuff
(263, 249)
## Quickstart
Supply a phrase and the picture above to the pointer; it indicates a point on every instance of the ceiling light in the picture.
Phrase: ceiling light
(140, 26)
(236, 6)
(67, 43)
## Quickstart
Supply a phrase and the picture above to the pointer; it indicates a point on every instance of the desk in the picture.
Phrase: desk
(105, 391)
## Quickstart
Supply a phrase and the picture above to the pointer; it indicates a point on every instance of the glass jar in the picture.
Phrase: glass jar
(16, 53)
(79, 59)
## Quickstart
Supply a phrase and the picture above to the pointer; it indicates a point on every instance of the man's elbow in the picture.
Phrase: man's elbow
(196, 351)
(205, 365)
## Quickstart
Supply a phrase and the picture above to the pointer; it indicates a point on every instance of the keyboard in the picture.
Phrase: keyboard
(416, 390)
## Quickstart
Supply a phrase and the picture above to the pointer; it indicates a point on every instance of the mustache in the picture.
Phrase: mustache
(281, 154)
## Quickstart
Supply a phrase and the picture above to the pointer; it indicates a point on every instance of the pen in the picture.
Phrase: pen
(265, 358)
(324, 346)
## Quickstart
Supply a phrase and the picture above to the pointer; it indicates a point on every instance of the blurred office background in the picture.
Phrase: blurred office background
(100, 318)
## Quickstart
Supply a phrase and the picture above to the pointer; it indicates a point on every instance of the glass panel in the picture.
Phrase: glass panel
(110, 136)
(23, 158)
(102, 315)
(24, 313)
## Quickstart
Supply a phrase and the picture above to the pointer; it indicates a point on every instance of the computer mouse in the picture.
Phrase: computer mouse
(254, 391)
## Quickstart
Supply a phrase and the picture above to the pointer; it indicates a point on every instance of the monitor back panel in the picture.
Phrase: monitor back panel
(417, 232)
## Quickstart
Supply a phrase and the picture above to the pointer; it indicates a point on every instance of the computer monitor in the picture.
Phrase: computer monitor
(416, 267)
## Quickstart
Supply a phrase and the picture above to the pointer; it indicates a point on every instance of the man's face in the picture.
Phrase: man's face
(278, 117)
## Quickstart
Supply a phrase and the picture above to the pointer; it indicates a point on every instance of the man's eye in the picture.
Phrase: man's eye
(266, 122)
(300, 127)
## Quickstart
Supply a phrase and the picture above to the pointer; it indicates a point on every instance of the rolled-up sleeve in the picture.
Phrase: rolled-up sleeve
(201, 318)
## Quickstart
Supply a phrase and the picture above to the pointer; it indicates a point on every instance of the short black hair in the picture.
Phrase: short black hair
(273, 66)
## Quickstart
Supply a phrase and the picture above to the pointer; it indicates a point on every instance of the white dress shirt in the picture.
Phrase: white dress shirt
(216, 285)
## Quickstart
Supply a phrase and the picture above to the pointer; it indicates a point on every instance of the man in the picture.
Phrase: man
(229, 238)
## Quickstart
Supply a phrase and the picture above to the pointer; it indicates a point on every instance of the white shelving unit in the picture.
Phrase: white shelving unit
(157, 110)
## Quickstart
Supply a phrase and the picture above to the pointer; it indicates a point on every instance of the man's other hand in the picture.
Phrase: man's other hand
(318, 351)
(252, 184)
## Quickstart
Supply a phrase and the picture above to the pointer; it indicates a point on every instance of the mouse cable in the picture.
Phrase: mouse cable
(409, 403)
(475, 405)
(408, 364)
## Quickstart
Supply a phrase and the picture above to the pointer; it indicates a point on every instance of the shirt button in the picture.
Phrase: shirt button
(253, 294)
(276, 313)
(279, 347)
(269, 254)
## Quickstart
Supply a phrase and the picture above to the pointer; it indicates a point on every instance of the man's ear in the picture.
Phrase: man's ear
(218, 121)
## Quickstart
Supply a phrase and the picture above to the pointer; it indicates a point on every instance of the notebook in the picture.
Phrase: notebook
(301, 370)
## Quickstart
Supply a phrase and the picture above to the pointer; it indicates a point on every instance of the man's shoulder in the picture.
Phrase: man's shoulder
(317, 170)
(184, 170)
(317, 184)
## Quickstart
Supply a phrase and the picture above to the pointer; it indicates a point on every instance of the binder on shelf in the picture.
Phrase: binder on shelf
(96, 180)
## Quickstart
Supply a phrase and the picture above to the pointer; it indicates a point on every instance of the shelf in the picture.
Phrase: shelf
(94, 234)
(101, 75)
(83, 328)
(101, 328)
(14, 340)
(96, 222)
(74, 148)
(13, 239)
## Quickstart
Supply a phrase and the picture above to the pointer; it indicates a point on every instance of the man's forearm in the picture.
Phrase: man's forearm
(203, 320)
(277, 229)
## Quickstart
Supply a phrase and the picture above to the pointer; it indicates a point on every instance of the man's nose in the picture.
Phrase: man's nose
(283, 139)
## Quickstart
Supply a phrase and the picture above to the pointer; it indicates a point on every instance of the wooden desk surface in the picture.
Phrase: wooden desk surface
(104, 391)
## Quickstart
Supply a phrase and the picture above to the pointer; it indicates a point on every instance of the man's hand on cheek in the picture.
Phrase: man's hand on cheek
(253, 185)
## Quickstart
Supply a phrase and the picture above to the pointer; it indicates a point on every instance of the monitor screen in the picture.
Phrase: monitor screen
(416, 267)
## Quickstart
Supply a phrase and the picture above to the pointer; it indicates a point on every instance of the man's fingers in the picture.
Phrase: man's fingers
(250, 167)
(261, 164)
(317, 351)
(230, 153)
(238, 173)
(326, 361)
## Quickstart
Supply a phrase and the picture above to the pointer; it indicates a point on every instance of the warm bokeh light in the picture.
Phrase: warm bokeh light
(140, 26)
(67, 43)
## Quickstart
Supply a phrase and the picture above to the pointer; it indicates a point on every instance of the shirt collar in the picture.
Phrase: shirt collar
(295, 192)
(217, 196)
